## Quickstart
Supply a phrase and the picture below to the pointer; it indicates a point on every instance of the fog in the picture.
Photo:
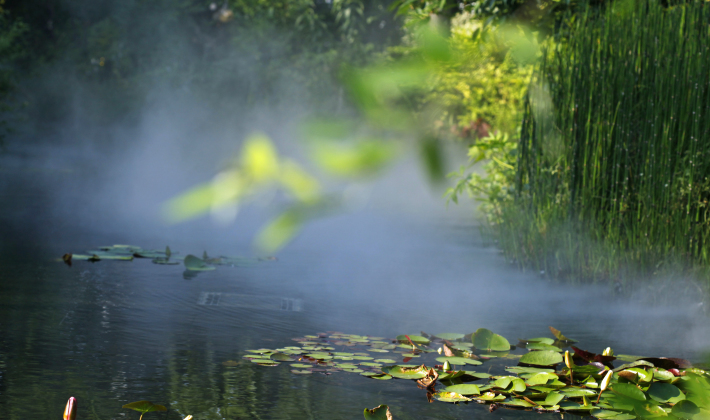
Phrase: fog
(398, 260)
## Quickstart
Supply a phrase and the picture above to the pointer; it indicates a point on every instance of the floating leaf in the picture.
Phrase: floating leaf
(464, 389)
(629, 391)
(194, 263)
(381, 412)
(541, 358)
(145, 407)
(484, 339)
(281, 357)
(458, 360)
(560, 336)
(542, 346)
(417, 339)
(686, 410)
(405, 372)
(452, 397)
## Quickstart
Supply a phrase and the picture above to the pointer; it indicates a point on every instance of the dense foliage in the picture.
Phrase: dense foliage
(611, 170)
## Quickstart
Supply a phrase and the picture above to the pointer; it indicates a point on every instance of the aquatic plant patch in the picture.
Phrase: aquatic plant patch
(522, 376)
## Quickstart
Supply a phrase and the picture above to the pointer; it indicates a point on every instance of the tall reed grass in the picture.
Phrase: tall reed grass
(613, 163)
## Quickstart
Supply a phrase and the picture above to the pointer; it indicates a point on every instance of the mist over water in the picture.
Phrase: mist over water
(398, 261)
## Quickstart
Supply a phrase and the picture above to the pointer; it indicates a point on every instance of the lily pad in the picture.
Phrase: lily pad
(559, 336)
(194, 263)
(542, 346)
(458, 360)
(406, 372)
(629, 391)
(281, 357)
(541, 358)
(464, 389)
(145, 407)
(381, 412)
(686, 409)
(385, 361)
(484, 339)
(451, 397)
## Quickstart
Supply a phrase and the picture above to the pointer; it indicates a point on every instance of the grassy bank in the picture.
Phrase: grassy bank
(611, 177)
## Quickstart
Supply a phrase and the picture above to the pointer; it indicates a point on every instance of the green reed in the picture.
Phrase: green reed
(615, 143)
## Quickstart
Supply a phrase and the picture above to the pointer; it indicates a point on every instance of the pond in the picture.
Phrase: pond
(113, 332)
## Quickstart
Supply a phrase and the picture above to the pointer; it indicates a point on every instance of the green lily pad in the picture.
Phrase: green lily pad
(517, 402)
(381, 376)
(573, 406)
(538, 379)
(629, 391)
(451, 397)
(541, 358)
(379, 350)
(553, 398)
(484, 339)
(463, 389)
(458, 360)
(686, 409)
(665, 393)
(381, 412)
(145, 406)
(281, 357)
(490, 396)
(574, 392)
(194, 263)
(416, 339)
(543, 340)
(385, 361)
(406, 372)
(542, 346)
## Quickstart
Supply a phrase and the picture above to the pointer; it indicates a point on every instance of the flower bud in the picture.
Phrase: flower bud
(447, 366)
(439, 350)
(70, 409)
(605, 381)
(608, 352)
(568, 360)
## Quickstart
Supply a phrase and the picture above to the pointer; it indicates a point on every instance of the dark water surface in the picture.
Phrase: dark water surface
(114, 332)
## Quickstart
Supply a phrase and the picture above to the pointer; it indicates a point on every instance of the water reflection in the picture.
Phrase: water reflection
(114, 332)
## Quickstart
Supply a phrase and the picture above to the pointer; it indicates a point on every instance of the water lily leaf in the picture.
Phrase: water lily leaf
(553, 398)
(281, 357)
(381, 412)
(451, 397)
(503, 382)
(686, 409)
(517, 402)
(542, 346)
(541, 358)
(145, 406)
(662, 375)
(537, 379)
(629, 391)
(490, 396)
(573, 406)
(450, 336)
(417, 339)
(385, 361)
(301, 372)
(194, 263)
(574, 392)
(381, 376)
(607, 414)
(559, 336)
(402, 372)
(633, 364)
(463, 389)
(484, 339)
(458, 360)
(543, 340)
(526, 369)
(475, 375)
(637, 375)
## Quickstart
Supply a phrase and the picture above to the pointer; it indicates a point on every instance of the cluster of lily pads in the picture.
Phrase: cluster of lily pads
(166, 257)
(534, 374)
